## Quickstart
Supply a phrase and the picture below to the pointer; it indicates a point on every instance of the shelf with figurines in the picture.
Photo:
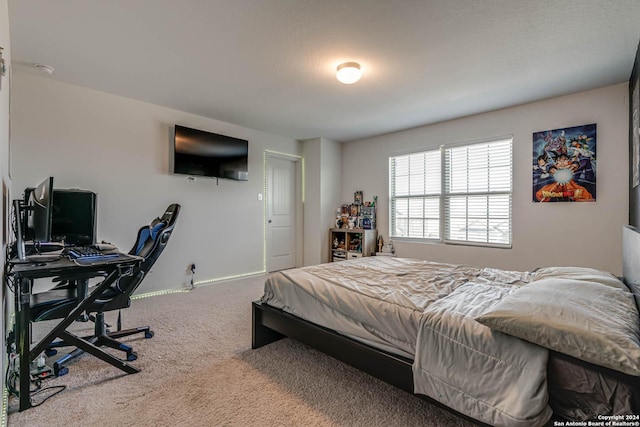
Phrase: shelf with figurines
(354, 235)
(358, 214)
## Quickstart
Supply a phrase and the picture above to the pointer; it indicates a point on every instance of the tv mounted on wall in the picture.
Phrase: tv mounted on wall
(200, 153)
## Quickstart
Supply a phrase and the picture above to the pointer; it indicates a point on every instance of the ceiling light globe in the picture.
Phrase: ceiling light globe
(349, 73)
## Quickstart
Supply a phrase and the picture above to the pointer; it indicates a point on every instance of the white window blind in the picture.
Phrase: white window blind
(477, 193)
(457, 194)
(415, 188)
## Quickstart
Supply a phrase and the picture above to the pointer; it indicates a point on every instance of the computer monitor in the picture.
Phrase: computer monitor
(74, 217)
(39, 210)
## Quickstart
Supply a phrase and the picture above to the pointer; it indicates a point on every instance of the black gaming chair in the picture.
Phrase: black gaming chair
(59, 302)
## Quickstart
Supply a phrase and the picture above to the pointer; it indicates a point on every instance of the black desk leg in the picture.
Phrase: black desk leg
(24, 341)
(97, 352)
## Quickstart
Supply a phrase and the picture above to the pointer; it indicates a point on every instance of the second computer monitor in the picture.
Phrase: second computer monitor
(74, 217)
(40, 208)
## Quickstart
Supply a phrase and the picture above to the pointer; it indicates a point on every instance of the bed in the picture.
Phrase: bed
(504, 348)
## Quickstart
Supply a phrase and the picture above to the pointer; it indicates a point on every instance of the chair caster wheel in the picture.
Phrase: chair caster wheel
(148, 334)
(132, 356)
(50, 352)
(63, 370)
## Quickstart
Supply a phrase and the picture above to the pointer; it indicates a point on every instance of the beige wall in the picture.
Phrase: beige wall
(120, 148)
(323, 186)
(582, 234)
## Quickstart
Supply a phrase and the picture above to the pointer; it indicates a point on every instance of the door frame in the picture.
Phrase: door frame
(299, 204)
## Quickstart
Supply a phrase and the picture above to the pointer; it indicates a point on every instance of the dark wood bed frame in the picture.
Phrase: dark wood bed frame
(271, 324)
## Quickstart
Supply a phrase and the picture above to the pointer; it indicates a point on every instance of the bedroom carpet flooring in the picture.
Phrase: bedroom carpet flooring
(199, 370)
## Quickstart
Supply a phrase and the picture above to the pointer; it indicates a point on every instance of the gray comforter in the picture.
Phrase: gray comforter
(427, 311)
(489, 376)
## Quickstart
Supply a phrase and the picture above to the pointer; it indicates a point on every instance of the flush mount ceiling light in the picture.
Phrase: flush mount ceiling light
(45, 69)
(349, 72)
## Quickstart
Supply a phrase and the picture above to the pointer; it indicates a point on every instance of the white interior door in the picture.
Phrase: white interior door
(281, 213)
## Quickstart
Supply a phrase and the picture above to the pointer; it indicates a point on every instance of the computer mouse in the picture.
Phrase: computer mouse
(104, 246)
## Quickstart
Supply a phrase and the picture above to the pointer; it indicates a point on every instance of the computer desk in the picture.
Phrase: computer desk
(24, 272)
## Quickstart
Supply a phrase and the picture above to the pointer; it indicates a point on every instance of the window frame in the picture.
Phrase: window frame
(442, 196)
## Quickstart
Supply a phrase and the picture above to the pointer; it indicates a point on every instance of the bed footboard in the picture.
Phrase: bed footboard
(271, 324)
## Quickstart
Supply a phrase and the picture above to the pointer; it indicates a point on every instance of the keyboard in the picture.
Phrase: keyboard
(88, 253)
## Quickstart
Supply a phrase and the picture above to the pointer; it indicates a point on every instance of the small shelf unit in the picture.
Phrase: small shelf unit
(348, 243)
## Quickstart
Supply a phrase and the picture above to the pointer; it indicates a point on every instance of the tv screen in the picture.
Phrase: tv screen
(200, 153)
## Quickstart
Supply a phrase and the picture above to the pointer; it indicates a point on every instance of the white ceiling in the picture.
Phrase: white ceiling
(270, 64)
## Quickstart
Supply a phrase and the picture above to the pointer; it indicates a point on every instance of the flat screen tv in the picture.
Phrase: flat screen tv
(200, 153)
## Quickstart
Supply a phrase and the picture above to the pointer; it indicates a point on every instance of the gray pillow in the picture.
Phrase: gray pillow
(579, 273)
(593, 322)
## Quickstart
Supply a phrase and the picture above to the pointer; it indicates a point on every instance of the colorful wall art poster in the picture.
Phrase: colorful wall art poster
(564, 164)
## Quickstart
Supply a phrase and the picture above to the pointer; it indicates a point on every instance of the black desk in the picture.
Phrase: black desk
(24, 273)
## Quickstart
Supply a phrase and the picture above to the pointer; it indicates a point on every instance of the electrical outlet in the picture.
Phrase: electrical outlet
(192, 267)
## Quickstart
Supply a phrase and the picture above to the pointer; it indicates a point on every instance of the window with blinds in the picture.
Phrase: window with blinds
(415, 189)
(457, 194)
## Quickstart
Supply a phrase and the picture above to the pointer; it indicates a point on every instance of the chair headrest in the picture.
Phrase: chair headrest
(151, 231)
(170, 214)
(147, 233)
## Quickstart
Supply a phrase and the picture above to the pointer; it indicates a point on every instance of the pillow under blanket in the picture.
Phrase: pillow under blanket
(593, 322)
(579, 273)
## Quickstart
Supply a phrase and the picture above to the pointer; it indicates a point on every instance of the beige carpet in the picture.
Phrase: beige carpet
(199, 370)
